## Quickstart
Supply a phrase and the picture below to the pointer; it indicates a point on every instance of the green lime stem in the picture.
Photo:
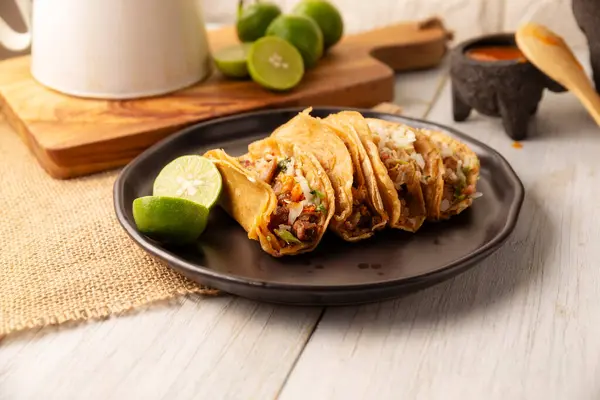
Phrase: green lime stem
(240, 8)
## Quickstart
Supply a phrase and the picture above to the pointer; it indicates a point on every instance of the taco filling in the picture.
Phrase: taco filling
(457, 186)
(403, 163)
(300, 212)
(363, 217)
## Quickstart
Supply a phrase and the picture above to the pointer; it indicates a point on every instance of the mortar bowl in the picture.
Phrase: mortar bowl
(490, 75)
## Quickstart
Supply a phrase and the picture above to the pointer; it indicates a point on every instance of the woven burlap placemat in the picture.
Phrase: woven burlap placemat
(63, 255)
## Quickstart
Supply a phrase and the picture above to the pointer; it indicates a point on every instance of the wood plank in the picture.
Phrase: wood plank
(72, 136)
(198, 349)
(521, 325)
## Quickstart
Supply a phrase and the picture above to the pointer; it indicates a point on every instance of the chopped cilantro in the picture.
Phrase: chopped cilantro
(321, 208)
(287, 236)
(283, 164)
(317, 193)
(458, 192)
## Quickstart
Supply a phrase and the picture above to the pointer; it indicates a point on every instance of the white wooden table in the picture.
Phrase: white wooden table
(524, 324)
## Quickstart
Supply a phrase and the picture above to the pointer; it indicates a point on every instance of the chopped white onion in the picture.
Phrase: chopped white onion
(295, 211)
(305, 187)
(403, 137)
(460, 173)
(392, 138)
(419, 159)
(470, 162)
(446, 151)
(285, 227)
(476, 195)
(445, 205)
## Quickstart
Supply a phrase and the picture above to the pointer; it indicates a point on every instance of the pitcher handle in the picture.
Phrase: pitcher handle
(16, 41)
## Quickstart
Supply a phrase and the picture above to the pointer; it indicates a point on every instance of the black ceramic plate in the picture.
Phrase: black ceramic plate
(386, 266)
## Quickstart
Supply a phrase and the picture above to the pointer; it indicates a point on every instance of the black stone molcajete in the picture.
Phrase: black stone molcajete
(508, 89)
(587, 14)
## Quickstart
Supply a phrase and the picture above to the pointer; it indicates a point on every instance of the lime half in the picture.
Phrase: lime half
(170, 219)
(190, 177)
(231, 60)
(275, 63)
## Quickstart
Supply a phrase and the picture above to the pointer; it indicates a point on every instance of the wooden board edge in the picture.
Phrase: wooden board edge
(59, 162)
(36, 150)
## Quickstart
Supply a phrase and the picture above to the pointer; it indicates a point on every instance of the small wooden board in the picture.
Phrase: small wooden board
(72, 136)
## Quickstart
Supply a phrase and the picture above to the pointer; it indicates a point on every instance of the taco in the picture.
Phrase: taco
(461, 173)
(402, 171)
(432, 175)
(279, 193)
(360, 212)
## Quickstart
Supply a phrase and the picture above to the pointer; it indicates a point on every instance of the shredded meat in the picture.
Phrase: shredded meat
(266, 168)
(451, 163)
(359, 195)
(283, 196)
(401, 173)
(269, 173)
(246, 163)
(451, 166)
(279, 217)
(361, 219)
(448, 193)
(305, 227)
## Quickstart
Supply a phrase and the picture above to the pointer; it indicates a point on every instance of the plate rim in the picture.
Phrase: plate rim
(190, 269)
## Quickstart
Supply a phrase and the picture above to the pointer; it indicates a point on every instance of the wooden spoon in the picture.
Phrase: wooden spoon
(549, 52)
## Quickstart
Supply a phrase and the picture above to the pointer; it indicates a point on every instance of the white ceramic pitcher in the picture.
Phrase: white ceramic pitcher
(113, 49)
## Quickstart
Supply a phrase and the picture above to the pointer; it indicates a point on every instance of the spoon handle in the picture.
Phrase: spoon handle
(588, 97)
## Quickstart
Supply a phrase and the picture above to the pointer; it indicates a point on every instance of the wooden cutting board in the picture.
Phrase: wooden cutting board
(73, 136)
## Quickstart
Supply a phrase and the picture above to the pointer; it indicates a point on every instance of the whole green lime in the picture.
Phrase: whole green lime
(326, 15)
(303, 33)
(253, 20)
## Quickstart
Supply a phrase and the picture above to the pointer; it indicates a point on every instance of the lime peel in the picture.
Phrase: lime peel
(170, 219)
(232, 60)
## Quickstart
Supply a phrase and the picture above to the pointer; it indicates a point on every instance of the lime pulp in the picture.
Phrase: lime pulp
(191, 177)
(275, 64)
(170, 219)
(232, 60)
